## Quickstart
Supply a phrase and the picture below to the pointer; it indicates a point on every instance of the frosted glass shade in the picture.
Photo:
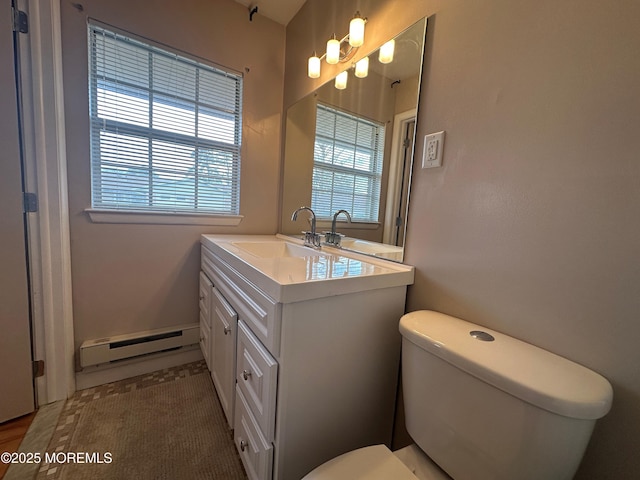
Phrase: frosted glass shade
(362, 67)
(386, 52)
(356, 32)
(333, 51)
(313, 69)
(341, 80)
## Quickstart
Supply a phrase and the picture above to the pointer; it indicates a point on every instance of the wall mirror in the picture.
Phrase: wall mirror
(351, 148)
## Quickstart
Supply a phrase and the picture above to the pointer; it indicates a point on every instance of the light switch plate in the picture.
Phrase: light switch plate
(432, 151)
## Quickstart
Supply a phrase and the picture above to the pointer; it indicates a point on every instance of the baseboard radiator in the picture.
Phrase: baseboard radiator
(124, 347)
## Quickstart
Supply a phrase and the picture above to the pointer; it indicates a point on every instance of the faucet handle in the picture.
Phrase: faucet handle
(332, 238)
(312, 239)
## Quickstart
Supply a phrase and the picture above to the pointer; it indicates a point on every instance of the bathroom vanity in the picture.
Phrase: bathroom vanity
(303, 348)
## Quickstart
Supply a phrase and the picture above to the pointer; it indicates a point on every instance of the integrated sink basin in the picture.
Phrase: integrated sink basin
(276, 249)
(287, 271)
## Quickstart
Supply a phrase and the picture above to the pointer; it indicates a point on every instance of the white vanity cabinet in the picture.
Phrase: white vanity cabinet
(317, 361)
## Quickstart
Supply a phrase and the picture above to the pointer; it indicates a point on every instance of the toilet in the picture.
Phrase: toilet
(481, 405)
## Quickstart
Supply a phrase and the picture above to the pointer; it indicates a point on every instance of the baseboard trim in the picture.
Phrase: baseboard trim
(99, 375)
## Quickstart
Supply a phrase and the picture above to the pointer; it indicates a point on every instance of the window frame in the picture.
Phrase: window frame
(110, 212)
(373, 175)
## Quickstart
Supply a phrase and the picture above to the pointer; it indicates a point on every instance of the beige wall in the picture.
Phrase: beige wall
(531, 225)
(128, 278)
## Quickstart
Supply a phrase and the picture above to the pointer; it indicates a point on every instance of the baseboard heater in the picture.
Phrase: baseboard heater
(123, 347)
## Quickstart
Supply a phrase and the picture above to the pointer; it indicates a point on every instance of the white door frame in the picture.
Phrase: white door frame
(396, 166)
(46, 174)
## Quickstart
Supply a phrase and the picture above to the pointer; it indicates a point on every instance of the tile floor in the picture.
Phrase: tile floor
(71, 412)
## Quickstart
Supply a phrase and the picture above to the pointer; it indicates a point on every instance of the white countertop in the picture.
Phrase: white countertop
(325, 272)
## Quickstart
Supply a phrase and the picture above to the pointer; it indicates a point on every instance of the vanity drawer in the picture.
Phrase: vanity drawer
(256, 376)
(205, 297)
(258, 310)
(255, 451)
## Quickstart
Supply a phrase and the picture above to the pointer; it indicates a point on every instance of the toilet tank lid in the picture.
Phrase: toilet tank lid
(525, 371)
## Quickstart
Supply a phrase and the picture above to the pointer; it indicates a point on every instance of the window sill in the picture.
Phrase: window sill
(161, 218)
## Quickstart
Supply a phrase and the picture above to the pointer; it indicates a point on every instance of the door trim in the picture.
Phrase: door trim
(396, 166)
(46, 174)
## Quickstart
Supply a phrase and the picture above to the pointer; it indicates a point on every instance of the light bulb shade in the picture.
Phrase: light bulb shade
(356, 32)
(362, 67)
(386, 52)
(313, 69)
(341, 80)
(333, 51)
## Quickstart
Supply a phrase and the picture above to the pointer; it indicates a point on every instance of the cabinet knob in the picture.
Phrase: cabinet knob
(201, 339)
(243, 445)
(227, 330)
(246, 374)
(201, 297)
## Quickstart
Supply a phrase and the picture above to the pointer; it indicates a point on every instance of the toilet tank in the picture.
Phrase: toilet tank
(483, 405)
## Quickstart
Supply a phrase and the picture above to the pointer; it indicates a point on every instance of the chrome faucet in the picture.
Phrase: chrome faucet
(332, 237)
(311, 239)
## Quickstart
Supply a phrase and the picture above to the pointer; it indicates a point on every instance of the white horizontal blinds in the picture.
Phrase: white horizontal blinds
(348, 155)
(165, 129)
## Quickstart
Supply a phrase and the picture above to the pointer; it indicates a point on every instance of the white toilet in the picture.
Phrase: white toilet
(481, 405)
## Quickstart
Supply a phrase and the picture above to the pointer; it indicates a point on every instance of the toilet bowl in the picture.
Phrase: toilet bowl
(377, 462)
(481, 405)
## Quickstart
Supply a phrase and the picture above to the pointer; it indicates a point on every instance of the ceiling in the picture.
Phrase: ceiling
(281, 11)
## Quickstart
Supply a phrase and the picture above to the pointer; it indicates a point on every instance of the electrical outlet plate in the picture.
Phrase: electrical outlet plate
(432, 151)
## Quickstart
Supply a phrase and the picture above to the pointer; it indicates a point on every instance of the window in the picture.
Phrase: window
(347, 165)
(165, 129)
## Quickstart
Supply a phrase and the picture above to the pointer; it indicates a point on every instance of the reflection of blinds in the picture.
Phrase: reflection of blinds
(347, 168)
(165, 129)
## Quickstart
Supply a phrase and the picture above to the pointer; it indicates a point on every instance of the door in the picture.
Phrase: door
(16, 378)
(407, 162)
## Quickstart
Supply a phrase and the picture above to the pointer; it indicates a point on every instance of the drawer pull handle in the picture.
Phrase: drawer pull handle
(243, 445)
(246, 374)
(201, 297)
(227, 330)
(202, 339)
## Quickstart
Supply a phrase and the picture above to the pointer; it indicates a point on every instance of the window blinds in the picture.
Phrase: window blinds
(348, 156)
(165, 129)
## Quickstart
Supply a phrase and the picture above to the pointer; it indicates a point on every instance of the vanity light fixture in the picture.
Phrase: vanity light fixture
(339, 50)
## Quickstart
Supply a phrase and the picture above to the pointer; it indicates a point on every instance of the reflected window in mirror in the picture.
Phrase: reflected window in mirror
(347, 164)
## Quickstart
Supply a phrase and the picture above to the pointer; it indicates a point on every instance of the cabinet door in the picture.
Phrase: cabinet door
(205, 298)
(205, 318)
(205, 341)
(224, 326)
